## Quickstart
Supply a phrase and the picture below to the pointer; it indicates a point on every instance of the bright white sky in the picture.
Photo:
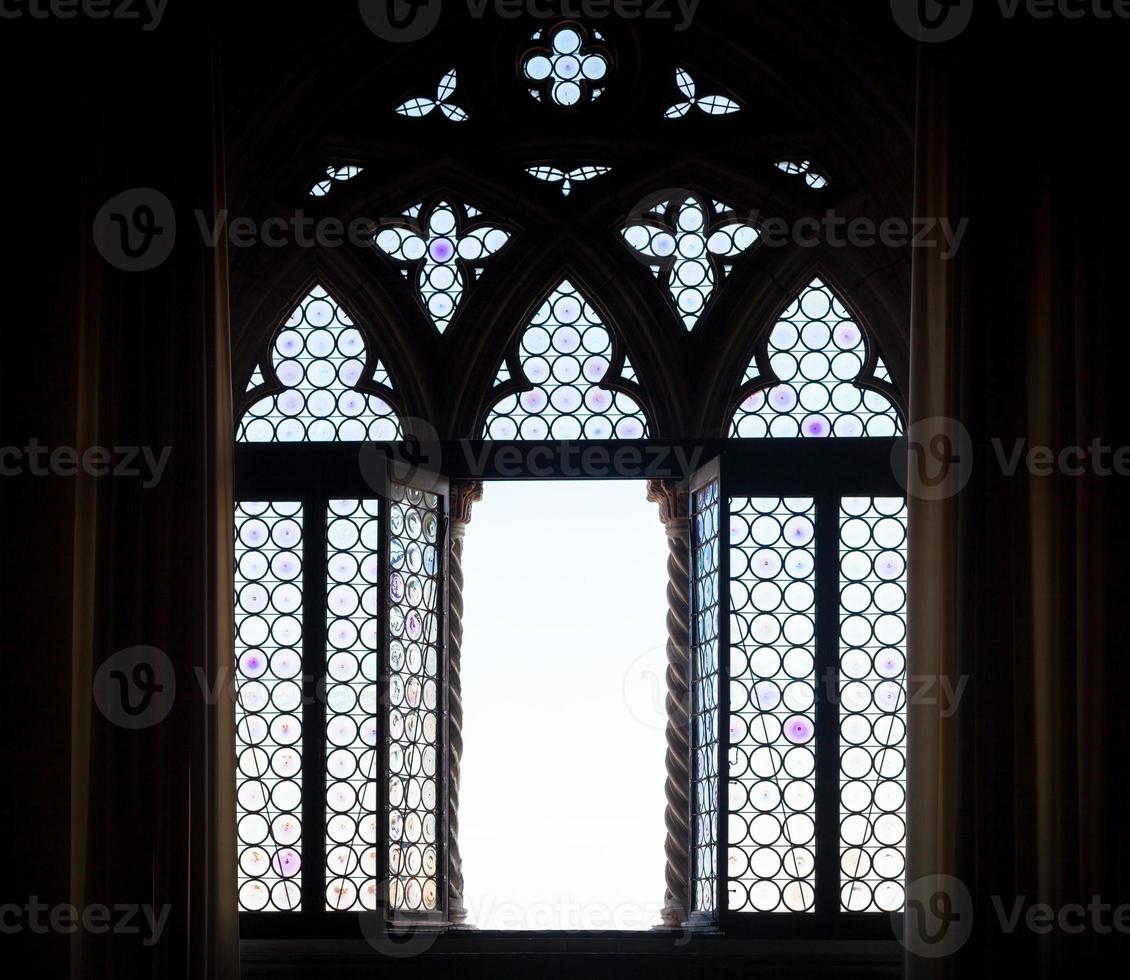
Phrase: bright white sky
(561, 797)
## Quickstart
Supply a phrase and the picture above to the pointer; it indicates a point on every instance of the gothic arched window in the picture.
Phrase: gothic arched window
(582, 308)
(812, 722)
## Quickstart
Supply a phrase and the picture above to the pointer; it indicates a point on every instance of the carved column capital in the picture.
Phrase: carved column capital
(673, 498)
(464, 495)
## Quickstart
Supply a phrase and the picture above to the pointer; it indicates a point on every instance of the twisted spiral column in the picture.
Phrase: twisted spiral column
(673, 499)
(463, 497)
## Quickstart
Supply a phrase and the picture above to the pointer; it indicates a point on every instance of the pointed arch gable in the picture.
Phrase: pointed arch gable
(605, 273)
(565, 378)
(816, 374)
(319, 381)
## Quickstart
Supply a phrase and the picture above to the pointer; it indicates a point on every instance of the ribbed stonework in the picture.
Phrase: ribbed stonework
(463, 497)
(673, 499)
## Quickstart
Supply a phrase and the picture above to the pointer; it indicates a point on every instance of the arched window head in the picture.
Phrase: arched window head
(566, 66)
(319, 359)
(809, 380)
(565, 358)
(691, 246)
(443, 246)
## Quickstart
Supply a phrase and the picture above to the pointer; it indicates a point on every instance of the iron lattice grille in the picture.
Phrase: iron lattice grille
(705, 719)
(567, 358)
(413, 743)
(611, 406)
(319, 358)
(810, 384)
(567, 65)
(691, 246)
(269, 696)
(771, 862)
(872, 693)
(444, 246)
(352, 671)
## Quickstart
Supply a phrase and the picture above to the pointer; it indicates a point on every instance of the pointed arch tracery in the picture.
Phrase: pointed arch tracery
(320, 383)
(816, 376)
(443, 247)
(565, 378)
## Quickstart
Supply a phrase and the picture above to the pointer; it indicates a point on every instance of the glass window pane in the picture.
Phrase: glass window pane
(772, 786)
(268, 690)
(352, 609)
(872, 692)
(704, 720)
(415, 823)
(319, 358)
(816, 356)
(566, 356)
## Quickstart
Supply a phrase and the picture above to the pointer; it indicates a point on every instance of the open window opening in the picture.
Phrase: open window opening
(561, 798)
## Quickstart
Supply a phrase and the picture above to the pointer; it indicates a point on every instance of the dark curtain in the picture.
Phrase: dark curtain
(102, 814)
(1018, 582)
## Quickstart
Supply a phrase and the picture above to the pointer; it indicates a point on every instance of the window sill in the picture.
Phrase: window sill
(654, 955)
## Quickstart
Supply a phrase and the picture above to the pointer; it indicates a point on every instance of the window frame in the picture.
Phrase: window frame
(826, 470)
(315, 489)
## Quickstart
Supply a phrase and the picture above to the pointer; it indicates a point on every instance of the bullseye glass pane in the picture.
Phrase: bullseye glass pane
(415, 713)
(772, 790)
(818, 356)
(567, 361)
(268, 691)
(873, 694)
(352, 610)
(319, 359)
(704, 722)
